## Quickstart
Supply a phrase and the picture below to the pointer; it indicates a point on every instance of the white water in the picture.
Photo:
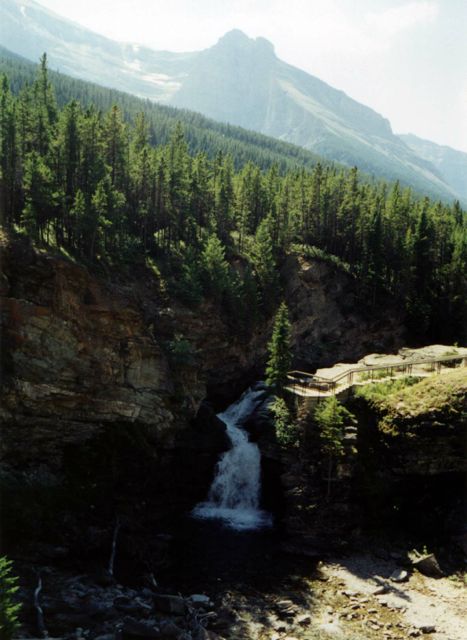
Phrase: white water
(235, 491)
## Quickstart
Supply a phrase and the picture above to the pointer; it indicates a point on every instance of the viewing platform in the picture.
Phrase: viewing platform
(341, 378)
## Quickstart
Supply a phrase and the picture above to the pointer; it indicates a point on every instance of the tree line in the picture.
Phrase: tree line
(101, 187)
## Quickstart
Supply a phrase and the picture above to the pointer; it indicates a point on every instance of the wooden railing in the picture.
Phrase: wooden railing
(303, 379)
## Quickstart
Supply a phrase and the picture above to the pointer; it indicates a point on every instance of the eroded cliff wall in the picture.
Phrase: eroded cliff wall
(92, 401)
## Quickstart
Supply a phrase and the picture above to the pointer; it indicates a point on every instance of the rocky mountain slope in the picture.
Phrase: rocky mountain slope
(239, 80)
(261, 92)
(29, 29)
(451, 164)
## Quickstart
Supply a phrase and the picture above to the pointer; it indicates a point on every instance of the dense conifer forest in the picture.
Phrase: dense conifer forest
(103, 184)
(201, 133)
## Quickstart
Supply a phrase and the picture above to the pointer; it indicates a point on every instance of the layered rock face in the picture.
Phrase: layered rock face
(424, 428)
(413, 467)
(329, 324)
(74, 358)
(92, 411)
(80, 351)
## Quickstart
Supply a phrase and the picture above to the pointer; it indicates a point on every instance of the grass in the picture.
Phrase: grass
(378, 374)
(459, 578)
(410, 397)
(432, 395)
(378, 392)
(313, 252)
(403, 404)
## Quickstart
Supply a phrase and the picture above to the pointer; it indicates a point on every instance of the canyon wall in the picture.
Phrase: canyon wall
(94, 403)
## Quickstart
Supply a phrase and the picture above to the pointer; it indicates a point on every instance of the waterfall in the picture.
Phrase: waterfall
(235, 491)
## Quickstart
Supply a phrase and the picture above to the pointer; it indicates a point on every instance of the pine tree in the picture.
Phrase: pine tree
(69, 160)
(99, 220)
(178, 184)
(315, 207)
(115, 141)
(374, 253)
(264, 263)
(92, 167)
(189, 285)
(215, 268)
(279, 349)
(201, 193)
(142, 176)
(78, 219)
(44, 112)
(332, 418)
(347, 216)
(225, 200)
(419, 303)
(244, 215)
(40, 196)
(8, 153)
(98, 184)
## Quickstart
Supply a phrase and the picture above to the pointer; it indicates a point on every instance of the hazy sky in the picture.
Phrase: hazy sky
(407, 59)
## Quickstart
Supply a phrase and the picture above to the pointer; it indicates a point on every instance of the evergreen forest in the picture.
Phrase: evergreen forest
(105, 186)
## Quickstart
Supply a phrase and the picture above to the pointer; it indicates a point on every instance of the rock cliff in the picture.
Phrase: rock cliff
(75, 357)
(423, 428)
(92, 398)
(93, 412)
(330, 322)
(403, 468)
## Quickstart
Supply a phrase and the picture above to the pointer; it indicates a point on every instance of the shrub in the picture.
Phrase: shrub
(9, 608)
(287, 432)
(181, 352)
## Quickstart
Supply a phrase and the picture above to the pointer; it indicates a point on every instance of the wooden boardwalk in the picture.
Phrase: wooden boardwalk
(309, 385)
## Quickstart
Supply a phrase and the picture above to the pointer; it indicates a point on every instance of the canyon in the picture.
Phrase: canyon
(105, 429)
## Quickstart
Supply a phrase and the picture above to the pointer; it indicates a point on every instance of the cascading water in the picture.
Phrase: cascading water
(235, 492)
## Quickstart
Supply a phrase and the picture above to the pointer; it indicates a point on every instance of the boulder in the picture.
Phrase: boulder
(127, 605)
(134, 630)
(171, 631)
(170, 604)
(200, 600)
(428, 565)
(426, 628)
(379, 590)
(303, 620)
(399, 575)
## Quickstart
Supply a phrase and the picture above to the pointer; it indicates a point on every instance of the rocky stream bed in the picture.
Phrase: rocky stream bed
(219, 583)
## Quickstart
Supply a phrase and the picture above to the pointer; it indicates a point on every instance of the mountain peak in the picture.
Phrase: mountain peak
(238, 39)
(234, 36)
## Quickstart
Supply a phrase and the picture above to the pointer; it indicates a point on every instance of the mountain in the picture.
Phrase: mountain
(451, 164)
(29, 29)
(241, 80)
(238, 81)
(201, 133)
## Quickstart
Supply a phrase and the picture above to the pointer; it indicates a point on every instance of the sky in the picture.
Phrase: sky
(407, 59)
